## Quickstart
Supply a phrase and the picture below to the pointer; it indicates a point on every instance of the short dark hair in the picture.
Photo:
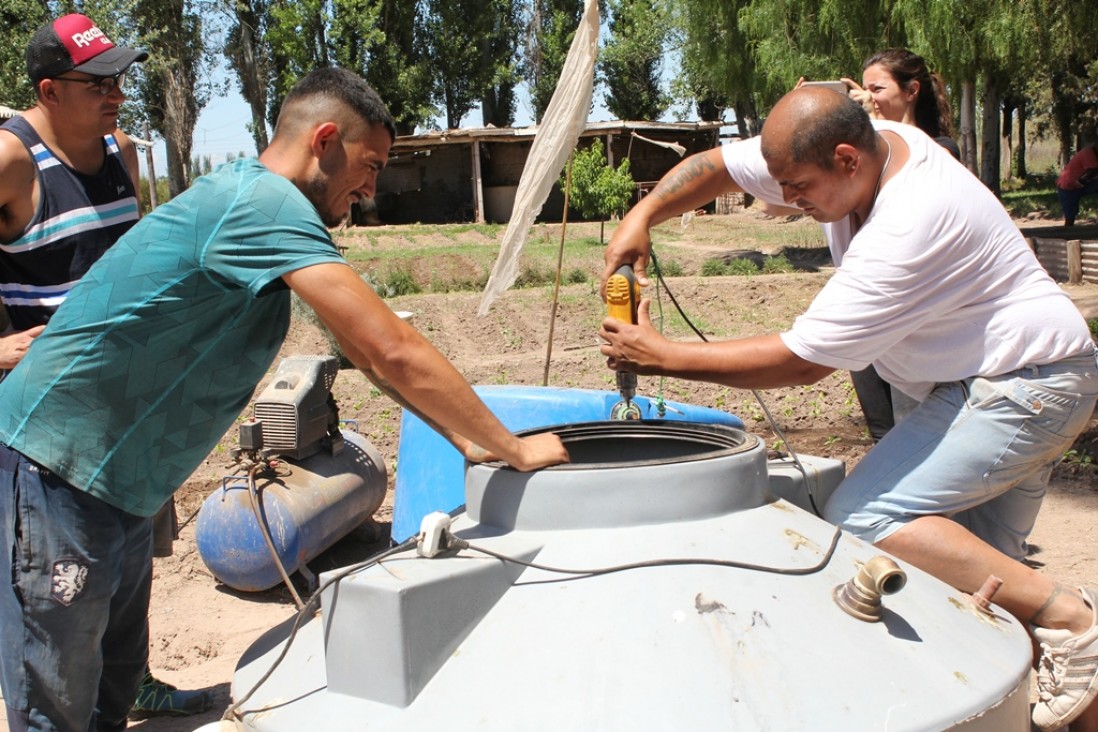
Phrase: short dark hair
(823, 126)
(312, 96)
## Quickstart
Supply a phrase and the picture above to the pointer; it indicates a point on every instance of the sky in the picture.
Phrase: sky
(222, 129)
(222, 126)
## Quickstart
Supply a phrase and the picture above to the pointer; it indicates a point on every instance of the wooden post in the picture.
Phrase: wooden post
(478, 185)
(1075, 261)
(152, 170)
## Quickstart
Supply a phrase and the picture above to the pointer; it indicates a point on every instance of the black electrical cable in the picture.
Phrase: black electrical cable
(261, 518)
(453, 542)
(457, 543)
(307, 610)
(758, 396)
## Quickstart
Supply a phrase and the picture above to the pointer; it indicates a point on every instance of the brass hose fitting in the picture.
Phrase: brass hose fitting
(861, 596)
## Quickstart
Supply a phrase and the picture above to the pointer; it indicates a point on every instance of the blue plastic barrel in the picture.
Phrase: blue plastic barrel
(430, 473)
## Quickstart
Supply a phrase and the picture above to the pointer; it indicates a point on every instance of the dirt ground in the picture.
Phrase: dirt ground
(200, 627)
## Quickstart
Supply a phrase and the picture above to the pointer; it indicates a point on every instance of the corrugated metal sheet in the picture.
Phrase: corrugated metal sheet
(1055, 254)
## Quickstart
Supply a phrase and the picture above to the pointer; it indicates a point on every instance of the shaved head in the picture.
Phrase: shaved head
(332, 95)
(808, 123)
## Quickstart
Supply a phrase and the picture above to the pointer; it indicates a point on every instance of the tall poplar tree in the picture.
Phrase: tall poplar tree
(552, 25)
(397, 66)
(455, 32)
(175, 87)
(500, 49)
(249, 56)
(631, 60)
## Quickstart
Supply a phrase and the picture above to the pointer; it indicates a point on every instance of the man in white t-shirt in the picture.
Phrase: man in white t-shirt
(936, 288)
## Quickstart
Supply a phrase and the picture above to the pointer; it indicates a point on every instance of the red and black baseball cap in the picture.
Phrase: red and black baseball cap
(74, 43)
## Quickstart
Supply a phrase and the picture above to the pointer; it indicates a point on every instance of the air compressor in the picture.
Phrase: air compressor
(301, 482)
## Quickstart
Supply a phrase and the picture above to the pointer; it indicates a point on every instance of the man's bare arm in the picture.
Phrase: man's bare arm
(17, 183)
(693, 183)
(407, 367)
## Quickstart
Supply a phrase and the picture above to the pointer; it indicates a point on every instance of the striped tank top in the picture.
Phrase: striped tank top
(78, 218)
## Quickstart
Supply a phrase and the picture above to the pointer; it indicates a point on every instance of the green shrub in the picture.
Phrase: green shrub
(742, 268)
(670, 268)
(777, 265)
(713, 268)
(575, 277)
(398, 282)
(534, 276)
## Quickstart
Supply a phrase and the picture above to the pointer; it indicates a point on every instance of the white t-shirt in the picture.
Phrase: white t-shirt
(938, 285)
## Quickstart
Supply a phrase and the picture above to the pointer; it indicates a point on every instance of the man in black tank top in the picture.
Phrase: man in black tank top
(68, 191)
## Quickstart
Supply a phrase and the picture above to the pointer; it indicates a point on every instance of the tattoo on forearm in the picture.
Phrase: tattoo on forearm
(1056, 592)
(691, 170)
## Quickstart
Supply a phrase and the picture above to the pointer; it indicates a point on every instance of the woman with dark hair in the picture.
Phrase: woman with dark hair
(898, 86)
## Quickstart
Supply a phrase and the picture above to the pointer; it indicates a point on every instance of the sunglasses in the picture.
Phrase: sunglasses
(105, 84)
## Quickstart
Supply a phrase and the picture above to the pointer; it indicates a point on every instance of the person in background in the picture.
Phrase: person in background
(936, 286)
(1079, 178)
(898, 86)
(68, 191)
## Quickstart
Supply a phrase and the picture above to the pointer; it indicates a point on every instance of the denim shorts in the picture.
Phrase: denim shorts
(73, 602)
(979, 451)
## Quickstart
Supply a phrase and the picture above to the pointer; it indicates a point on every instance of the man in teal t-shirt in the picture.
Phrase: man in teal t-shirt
(148, 362)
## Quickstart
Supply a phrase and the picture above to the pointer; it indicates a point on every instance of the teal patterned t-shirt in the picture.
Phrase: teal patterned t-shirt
(159, 347)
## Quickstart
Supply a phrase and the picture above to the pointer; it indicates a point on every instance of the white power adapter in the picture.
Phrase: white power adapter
(432, 534)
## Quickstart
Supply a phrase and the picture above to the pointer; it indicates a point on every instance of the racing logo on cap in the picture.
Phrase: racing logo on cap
(68, 580)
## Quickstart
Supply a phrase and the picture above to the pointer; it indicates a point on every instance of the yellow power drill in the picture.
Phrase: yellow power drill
(622, 299)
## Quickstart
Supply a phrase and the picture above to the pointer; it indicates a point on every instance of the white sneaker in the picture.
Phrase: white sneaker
(1067, 674)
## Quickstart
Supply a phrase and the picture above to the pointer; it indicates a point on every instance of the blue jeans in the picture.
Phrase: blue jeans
(1069, 200)
(979, 451)
(74, 602)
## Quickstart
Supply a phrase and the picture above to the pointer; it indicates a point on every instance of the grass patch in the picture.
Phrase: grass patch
(398, 282)
(670, 268)
(777, 265)
(1035, 193)
(449, 231)
(737, 267)
(1038, 193)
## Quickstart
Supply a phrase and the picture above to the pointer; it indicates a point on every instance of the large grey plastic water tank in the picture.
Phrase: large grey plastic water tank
(726, 619)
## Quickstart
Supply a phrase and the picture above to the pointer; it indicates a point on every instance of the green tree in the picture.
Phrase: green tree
(397, 66)
(174, 89)
(19, 19)
(355, 33)
(500, 48)
(816, 39)
(455, 33)
(297, 35)
(1064, 36)
(551, 28)
(717, 74)
(597, 190)
(248, 54)
(630, 61)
